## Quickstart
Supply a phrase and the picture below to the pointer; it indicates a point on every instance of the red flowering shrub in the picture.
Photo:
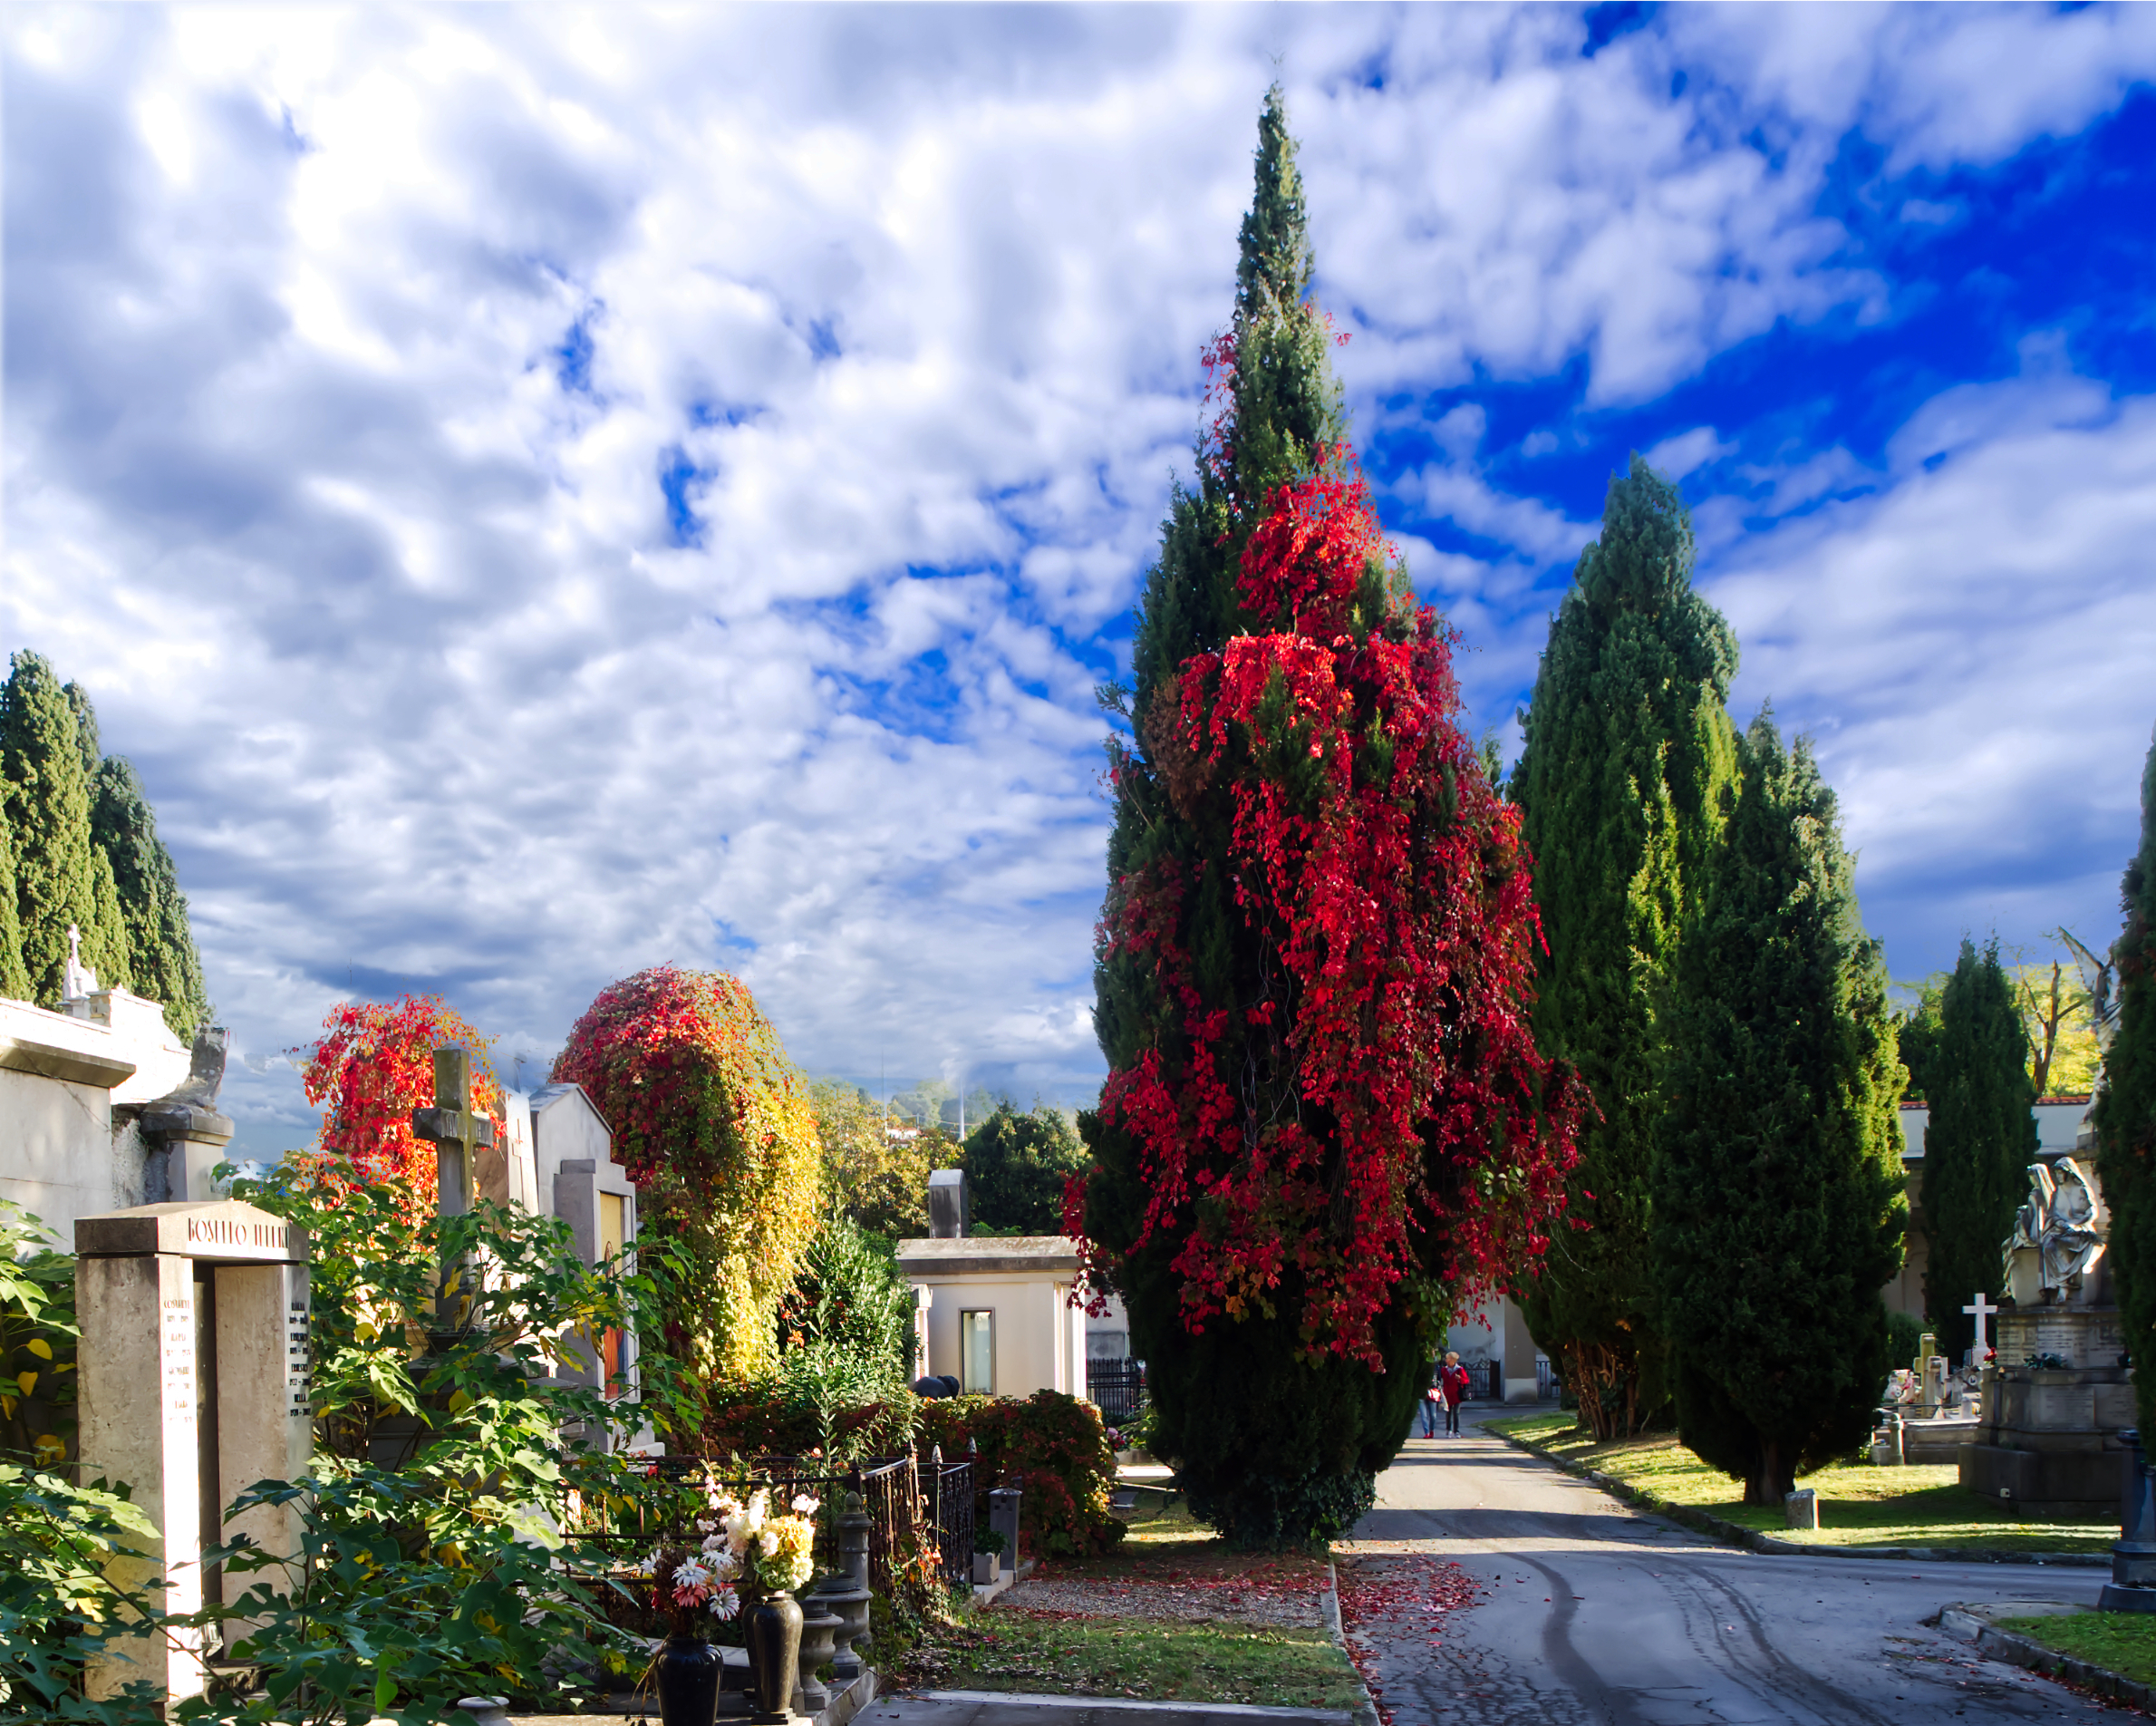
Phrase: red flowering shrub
(374, 1065)
(716, 1128)
(1055, 1446)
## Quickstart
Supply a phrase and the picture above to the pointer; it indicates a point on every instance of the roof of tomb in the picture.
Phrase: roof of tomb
(978, 1254)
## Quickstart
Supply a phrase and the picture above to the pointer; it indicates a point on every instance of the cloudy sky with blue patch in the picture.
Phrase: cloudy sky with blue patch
(539, 492)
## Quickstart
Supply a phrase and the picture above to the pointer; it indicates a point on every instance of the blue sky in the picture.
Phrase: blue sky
(539, 492)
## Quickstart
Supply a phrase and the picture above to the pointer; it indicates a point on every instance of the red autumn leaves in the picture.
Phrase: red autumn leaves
(1384, 881)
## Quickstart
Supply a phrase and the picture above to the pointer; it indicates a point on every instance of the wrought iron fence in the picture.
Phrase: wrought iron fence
(1117, 1389)
(901, 1494)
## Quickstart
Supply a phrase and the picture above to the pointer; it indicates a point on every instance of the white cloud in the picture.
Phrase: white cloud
(1971, 646)
(348, 350)
(1689, 451)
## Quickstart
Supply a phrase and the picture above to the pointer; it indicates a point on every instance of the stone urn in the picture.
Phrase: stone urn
(820, 1632)
(773, 1627)
(686, 1676)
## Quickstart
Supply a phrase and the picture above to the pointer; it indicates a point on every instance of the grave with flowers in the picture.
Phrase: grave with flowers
(720, 1585)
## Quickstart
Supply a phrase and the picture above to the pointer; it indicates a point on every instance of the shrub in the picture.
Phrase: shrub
(1054, 1445)
(716, 1128)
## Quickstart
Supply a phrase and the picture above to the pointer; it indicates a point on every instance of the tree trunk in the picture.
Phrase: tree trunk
(1773, 1477)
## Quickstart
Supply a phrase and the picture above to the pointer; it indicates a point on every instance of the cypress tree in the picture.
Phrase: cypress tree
(1628, 747)
(161, 945)
(1778, 1209)
(1018, 1166)
(48, 812)
(2124, 1115)
(106, 948)
(14, 981)
(1978, 1141)
(1301, 1152)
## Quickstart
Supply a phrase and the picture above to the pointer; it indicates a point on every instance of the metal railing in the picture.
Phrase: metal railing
(1117, 1389)
(901, 1494)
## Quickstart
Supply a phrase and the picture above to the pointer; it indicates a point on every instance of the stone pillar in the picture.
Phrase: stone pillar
(845, 1592)
(193, 1387)
(1003, 1505)
(185, 1122)
(138, 1423)
(2133, 1585)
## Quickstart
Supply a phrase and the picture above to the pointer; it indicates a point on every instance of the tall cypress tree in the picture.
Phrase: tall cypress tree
(48, 812)
(1778, 1209)
(2125, 1113)
(14, 981)
(1628, 747)
(106, 947)
(161, 945)
(1978, 1141)
(1323, 1113)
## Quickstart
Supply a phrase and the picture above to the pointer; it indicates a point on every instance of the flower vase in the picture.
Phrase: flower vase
(686, 1675)
(774, 1634)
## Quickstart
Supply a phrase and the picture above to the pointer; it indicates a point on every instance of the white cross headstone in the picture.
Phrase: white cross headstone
(1981, 1311)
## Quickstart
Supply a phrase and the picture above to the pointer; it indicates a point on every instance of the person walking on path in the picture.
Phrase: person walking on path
(1431, 1397)
(1452, 1384)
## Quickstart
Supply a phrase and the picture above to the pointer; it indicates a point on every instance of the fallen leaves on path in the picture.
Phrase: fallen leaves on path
(1385, 1602)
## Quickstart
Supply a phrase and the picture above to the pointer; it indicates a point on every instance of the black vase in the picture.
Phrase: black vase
(688, 1681)
(774, 1633)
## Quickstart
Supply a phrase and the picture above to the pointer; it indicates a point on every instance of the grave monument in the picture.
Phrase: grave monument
(2057, 1404)
(194, 1386)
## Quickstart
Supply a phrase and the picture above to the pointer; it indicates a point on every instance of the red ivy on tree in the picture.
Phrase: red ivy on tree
(374, 1065)
(1387, 883)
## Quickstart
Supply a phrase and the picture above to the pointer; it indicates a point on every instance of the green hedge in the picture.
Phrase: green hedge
(1055, 1446)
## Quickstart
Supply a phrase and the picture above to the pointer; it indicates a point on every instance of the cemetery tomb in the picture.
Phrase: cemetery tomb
(576, 1176)
(998, 1311)
(73, 1086)
(2060, 1394)
(193, 1370)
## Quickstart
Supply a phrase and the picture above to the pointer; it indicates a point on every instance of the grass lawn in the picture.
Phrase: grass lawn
(1859, 1505)
(1202, 1663)
(2120, 1642)
(1158, 1659)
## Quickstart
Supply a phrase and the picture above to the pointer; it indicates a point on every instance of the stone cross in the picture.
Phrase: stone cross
(1981, 1311)
(456, 1132)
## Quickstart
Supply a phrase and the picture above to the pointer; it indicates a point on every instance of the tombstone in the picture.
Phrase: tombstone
(193, 1366)
(576, 1176)
(1935, 1384)
(948, 1204)
(1800, 1508)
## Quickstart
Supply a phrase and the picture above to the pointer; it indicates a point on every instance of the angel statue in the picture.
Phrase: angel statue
(2056, 1228)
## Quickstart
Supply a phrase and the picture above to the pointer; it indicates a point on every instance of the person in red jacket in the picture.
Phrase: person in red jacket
(1451, 1383)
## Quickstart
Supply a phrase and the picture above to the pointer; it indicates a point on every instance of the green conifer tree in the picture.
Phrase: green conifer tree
(1291, 1179)
(1778, 1209)
(161, 945)
(1629, 745)
(1979, 1140)
(1272, 1446)
(14, 981)
(1018, 1166)
(48, 813)
(2126, 1111)
(106, 948)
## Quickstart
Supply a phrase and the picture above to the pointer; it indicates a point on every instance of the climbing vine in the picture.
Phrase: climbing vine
(1376, 1091)
(719, 1131)
(371, 1067)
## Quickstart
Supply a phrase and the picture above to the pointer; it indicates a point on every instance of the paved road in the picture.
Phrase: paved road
(1593, 1614)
